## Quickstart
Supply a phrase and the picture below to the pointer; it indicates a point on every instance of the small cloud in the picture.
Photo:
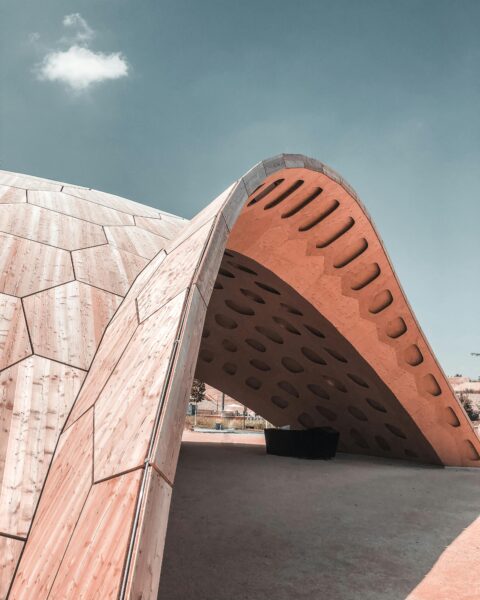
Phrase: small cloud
(82, 32)
(79, 67)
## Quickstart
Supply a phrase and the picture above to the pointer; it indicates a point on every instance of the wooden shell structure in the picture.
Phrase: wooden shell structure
(283, 291)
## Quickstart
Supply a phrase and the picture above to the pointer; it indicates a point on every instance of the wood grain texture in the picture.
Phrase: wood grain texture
(114, 342)
(176, 272)
(27, 267)
(108, 268)
(135, 240)
(93, 564)
(67, 322)
(126, 408)
(28, 181)
(112, 201)
(49, 227)
(10, 550)
(172, 420)
(11, 195)
(14, 342)
(82, 209)
(166, 227)
(148, 551)
(207, 271)
(64, 495)
(36, 396)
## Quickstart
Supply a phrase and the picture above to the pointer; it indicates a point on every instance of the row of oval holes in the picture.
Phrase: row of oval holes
(394, 328)
(305, 419)
(364, 277)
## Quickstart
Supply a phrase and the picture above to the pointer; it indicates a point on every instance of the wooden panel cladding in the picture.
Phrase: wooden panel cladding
(136, 240)
(101, 540)
(108, 268)
(49, 227)
(12, 195)
(14, 340)
(66, 489)
(36, 397)
(10, 550)
(75, 207)
(27, 267)
(284, 298)
(67, 322)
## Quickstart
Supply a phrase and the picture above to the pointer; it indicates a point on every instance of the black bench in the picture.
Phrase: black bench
(319, 442)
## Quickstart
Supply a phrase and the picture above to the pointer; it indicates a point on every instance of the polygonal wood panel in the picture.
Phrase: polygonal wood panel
(112, 201)
(108, 268)
(14, 342)
(101, 540)
(135, 240)
(10, 550)
(20, 180)
(121, 436)
(66, 489)
(49, 227)
(67, 322)
(27, 267)
(75, 207)
(36, 396)
(174, 274)
(177, 395)
(166, 227)
(148, 553)
(11, 195)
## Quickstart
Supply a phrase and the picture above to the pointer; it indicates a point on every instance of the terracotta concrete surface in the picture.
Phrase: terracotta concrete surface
(247, 526)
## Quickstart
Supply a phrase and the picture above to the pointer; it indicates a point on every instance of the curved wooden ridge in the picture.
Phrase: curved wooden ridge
(281, 288)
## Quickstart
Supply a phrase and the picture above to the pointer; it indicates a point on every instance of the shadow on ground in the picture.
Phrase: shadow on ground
(246, 526)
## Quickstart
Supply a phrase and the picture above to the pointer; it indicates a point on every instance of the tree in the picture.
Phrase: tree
(197, 393)
(468, 406)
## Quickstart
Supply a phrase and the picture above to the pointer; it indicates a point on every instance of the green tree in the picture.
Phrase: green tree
(468, 406)
(197, 393)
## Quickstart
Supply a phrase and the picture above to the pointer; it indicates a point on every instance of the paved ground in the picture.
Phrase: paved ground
(246, 526)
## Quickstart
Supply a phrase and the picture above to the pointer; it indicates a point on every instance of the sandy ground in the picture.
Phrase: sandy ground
(247, 526)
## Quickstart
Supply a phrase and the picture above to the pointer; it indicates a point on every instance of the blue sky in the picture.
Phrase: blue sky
(168, 102)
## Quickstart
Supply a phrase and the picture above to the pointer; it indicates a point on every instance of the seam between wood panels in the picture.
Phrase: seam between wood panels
(27, 327)
(156, 423)
(64, 428)
(195, 272)
(103, 386)
(119, 474)
(161, 474)
(22, 237)
(52, 287)
(75, 216)
(168, 374)
(17, 362)
(32, 520)
(169, 251)
(68, 543)
(169, 239)
(103, 205)
(12, 536)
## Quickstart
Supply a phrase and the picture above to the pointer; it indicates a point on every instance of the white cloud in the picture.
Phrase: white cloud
(82, 32)
(80, 67)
